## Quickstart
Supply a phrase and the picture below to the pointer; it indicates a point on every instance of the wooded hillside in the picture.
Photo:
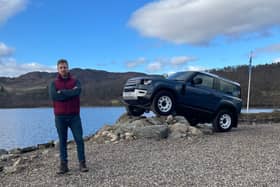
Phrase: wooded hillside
(104, 88)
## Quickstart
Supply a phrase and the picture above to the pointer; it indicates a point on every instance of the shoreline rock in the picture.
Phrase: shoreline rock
(3, 152)
(273, 117)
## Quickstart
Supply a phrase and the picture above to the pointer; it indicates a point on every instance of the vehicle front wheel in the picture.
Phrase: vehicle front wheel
(223, 121)
(134, 111)
(163, 103)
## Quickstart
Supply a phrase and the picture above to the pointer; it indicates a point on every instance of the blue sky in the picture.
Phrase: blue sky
(158, 37)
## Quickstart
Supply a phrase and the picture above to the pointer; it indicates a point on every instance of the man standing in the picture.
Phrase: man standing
(65, 94)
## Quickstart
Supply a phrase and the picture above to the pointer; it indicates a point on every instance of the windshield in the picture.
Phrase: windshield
(180, 76)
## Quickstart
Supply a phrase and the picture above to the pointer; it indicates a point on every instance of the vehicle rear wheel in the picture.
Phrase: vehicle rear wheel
(134, 111)
(223, 121)
(163, 103)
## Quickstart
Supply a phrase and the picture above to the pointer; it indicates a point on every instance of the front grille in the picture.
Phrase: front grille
(130, 85)
(129, 89)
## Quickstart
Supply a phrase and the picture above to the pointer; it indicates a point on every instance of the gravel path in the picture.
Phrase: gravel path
(247, 156)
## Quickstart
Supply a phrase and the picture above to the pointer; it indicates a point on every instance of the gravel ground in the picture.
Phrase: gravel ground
(246, 156)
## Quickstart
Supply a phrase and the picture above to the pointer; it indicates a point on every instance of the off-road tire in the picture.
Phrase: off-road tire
(223, 122)
(163, 103)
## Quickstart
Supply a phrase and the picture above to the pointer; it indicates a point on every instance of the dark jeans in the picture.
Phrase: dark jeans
(74, 123)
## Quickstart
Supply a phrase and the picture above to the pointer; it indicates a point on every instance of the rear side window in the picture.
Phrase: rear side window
(229, 88)
(207, 81)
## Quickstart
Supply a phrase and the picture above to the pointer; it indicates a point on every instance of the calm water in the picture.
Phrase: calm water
(259, 110)
(26, 127)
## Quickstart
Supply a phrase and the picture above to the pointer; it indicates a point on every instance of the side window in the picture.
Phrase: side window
(207, 81)
(230, 89)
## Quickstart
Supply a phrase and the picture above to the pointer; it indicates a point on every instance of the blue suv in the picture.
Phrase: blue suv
(201, 97)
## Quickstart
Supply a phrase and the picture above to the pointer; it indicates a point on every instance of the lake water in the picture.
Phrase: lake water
(259, 110)
(26, 127)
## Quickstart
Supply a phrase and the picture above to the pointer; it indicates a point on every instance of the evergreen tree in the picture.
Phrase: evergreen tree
(2, 88)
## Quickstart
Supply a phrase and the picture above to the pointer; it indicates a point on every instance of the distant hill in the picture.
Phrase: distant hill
(101, 88)
(265, 83)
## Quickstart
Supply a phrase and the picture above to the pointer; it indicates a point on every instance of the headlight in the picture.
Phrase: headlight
(146, 81)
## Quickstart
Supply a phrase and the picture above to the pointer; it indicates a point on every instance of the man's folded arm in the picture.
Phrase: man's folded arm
(76, 91)
(54, 95)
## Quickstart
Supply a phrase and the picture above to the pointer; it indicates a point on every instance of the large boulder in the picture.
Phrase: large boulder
(130, 127)
(178, 130)
(15, 151)
(154, 131)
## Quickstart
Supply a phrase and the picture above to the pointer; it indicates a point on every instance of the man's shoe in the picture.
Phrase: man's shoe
(83, 167)
(63, 168)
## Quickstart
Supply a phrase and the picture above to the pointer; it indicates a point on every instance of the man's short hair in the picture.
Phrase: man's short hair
(62, 61)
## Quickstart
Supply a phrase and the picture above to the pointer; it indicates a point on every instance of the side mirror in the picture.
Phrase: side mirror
(197, 81)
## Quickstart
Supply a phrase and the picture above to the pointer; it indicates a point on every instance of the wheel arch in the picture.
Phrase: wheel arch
(173, 92)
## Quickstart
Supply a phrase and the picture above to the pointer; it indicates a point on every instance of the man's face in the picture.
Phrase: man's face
(63, 69)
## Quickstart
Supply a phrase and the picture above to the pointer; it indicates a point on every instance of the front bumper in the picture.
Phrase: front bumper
(138, 97)
(134, 95)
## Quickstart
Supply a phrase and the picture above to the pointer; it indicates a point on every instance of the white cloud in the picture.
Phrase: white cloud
(273, 48)
(5, 50)
(134, 63)
(170, 73)
(10, 68)
(170, 64)
(9, 8)
(154, 66)
(201, 21)
(195, 68)
(277, 60)
(180, 60)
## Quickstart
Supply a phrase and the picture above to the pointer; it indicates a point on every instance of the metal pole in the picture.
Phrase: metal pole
(249, 83)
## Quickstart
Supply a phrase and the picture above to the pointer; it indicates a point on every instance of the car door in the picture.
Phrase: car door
(201, 95)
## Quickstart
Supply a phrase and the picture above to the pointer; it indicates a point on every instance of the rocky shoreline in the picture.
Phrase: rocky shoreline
(273, 117)
(126, 128)
(259, 118)
(126, 132)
